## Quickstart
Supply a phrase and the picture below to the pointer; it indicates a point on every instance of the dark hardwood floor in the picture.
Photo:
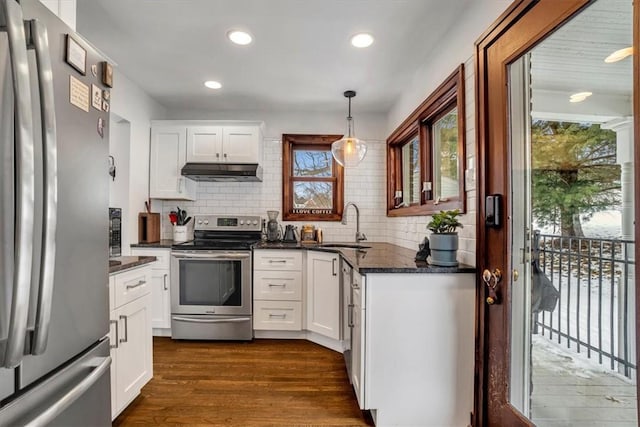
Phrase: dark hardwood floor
(260, 383)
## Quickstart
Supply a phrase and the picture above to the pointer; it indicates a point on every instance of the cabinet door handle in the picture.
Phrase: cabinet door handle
(354, 285)
(217, 155)
(225, 156)
(126, 329)
(140, 283)
(333, 266)
(114, 322)
(164, 278)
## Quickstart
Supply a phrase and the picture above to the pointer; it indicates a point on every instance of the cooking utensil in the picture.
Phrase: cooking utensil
(187, 221)
(173, 217)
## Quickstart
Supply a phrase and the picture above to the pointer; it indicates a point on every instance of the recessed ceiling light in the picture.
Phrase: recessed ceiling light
(579, 97)
(239, 37)
(212, 84)
(362, 40)
(619, 55)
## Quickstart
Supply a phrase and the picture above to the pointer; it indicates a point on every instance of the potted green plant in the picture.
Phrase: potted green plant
(443, 241)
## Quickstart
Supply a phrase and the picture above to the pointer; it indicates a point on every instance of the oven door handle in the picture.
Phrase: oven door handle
(195, 320)
(223, 255)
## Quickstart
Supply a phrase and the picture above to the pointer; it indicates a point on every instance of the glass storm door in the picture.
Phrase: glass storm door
(556, 143)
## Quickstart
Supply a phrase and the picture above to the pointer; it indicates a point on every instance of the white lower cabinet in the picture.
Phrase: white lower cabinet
(417, 348)
(130, 336)
(160, 288)
(277, 290)
(277, 315)
(323, 293)
(358, 337)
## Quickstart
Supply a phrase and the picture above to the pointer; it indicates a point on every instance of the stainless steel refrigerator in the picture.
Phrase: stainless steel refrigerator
(54, 354)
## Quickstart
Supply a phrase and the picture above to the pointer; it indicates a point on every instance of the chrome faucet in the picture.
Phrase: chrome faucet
(359, 236)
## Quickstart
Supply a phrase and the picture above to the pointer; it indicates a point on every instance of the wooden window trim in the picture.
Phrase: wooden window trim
(310, 142)
(449, 95)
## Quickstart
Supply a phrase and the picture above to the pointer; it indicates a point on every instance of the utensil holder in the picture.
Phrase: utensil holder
(182, 233)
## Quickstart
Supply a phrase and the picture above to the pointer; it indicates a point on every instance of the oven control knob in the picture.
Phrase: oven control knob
(255, 222)
(206, 222)
(199, 221)
(241, 222)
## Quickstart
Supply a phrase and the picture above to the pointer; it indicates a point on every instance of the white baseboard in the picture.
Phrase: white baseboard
(335, 345)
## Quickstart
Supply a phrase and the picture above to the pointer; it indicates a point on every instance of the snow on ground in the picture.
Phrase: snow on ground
(602, 225)
(557, 358)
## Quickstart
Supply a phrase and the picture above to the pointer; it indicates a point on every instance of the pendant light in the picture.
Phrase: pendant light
(349, 150)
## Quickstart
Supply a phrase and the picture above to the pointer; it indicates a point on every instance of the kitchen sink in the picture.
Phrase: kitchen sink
(345, 245)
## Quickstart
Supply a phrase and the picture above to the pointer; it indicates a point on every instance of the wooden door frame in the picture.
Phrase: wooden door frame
(523, 25)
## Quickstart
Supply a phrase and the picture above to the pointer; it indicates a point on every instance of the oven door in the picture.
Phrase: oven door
(211, 282)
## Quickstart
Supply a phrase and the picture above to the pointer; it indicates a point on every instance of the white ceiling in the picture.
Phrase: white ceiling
(301, 58)
(573, 57)
(572, 60)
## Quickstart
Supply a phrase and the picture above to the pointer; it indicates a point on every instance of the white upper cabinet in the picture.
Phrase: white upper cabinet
(167, 157)
(224, 143)
(241, 144)
(204, 144)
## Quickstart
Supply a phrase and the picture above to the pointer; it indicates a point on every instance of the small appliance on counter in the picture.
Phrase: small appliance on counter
(115, 233)
(274, 230)
(308, 234)
(290, 234)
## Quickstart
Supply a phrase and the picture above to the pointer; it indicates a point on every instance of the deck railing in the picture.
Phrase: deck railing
(594, 313)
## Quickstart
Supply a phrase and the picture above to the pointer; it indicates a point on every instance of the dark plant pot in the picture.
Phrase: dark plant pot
(444, 249)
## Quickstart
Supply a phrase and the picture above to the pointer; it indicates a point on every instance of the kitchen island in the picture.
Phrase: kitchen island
(410, 325)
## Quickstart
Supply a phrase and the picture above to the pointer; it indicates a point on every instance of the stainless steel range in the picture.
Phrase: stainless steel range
(211, 279)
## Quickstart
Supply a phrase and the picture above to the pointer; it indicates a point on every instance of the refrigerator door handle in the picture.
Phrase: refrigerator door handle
(49, 414)
(39, 40)
(11, 22)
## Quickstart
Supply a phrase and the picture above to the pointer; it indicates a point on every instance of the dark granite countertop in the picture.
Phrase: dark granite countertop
(122, 263)
(378, 258)
(164, 243)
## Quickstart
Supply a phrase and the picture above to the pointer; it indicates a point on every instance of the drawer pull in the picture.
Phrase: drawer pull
(277, 261)
(279, 285)
(140, 283)
(279, 316)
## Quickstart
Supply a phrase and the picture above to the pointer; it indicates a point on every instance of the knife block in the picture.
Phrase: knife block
(148, 227)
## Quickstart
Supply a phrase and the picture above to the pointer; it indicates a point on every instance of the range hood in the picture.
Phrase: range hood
(223, 172)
